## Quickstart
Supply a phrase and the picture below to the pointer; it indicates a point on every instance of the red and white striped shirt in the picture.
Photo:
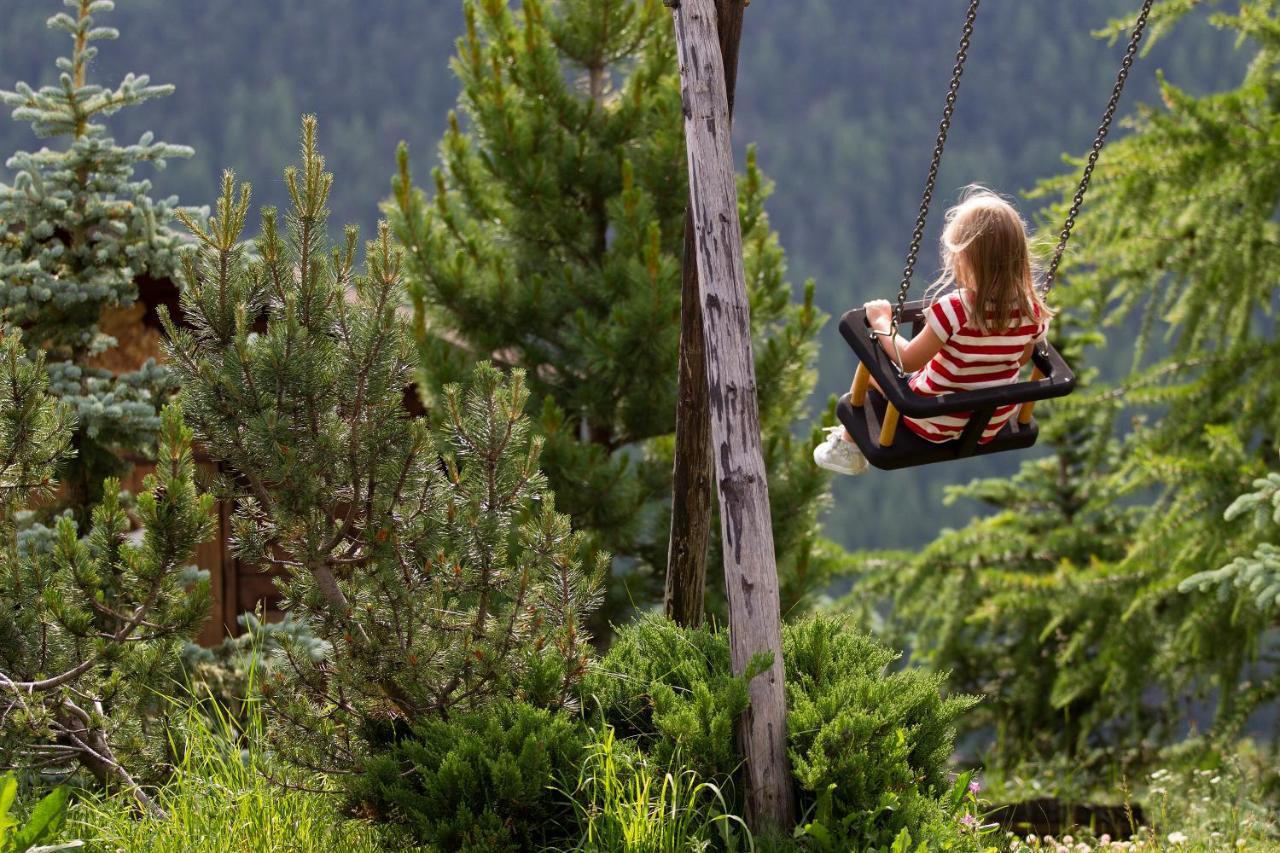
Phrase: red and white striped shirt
(969, 360)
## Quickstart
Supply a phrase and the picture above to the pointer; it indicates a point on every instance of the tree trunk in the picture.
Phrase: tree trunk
(750, 569)
(691, 480)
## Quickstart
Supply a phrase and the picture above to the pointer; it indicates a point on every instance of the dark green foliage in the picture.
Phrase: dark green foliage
(486, 781)
(869, 746)
(77, 232)
(430, 561)
(551, 239)
(1181, 237)
(97, 601)
(91, 628)
(844, 100)
(241, 102)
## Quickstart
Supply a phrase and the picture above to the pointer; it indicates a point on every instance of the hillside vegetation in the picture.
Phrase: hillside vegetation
(841, 97)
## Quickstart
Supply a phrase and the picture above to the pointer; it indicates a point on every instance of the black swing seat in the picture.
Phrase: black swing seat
(905, 449)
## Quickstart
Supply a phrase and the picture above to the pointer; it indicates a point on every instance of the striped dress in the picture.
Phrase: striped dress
(969, 360)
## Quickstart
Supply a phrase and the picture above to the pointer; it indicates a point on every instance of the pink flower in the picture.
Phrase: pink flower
(974, 786)
(968, 821)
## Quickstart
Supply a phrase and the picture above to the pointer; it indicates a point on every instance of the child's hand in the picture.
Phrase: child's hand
(879, 313)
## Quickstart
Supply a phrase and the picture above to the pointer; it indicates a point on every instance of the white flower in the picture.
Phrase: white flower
(1083, 848)
(1105, 839)
(1177, 838)
(1215, 780)
(1068, 840)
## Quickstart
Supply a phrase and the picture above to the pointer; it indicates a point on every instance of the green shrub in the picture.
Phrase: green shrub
(670, 690)
(875, 743)
(485, 781)
(869, 747)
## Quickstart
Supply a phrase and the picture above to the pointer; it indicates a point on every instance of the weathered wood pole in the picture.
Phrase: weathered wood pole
(686, 582)
(751, 579)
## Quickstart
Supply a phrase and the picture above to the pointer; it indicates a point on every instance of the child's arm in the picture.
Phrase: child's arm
(916, 352)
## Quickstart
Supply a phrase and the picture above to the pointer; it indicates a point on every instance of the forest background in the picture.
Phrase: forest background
(841, 98)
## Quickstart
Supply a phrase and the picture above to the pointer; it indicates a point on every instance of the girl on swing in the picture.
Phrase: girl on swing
(986, 264)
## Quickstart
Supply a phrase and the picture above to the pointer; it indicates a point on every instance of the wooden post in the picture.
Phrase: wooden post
(751, 578)
(686, 581)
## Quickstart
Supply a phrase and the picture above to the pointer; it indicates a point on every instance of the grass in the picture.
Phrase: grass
(220, 797)
(624, 803)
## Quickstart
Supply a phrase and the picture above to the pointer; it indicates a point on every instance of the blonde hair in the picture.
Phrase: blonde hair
(984, 245)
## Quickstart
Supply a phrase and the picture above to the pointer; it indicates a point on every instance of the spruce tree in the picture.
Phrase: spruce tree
(431, 562)
(1018, 605)
(91, 628)
(78, 230)
(552, 239)
(1181, 239)
(1107, 619)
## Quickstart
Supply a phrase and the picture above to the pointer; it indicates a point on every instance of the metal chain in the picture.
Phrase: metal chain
(944, 127)
(1098, 142)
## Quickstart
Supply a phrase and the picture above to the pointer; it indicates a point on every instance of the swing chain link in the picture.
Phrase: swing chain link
(1098, 142)
(944, 127)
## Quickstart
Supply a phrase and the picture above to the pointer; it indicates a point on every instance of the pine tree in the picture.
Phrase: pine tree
(78, 230)
(91, 629)
(431, 562)
(552, 241)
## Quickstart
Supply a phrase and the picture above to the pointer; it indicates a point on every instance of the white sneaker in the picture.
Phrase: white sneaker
(836, 454)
